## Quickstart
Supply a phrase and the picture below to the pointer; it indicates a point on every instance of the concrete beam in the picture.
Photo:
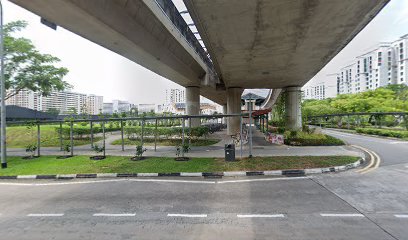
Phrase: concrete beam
(193, 104)
(233, 107)
(279, 43)
(293, 97)
(137, 30)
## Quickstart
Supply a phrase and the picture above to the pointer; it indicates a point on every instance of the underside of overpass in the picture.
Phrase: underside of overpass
(252, 44)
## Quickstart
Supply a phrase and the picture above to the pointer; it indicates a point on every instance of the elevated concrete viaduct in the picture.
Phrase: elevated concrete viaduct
(275, 44)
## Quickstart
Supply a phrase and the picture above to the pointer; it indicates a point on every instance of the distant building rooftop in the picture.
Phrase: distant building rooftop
(16, 113)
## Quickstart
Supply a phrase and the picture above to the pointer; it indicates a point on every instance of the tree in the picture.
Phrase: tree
(26, 68)
(72, 111)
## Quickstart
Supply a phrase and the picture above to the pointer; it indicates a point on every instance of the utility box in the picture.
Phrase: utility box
(229, 152)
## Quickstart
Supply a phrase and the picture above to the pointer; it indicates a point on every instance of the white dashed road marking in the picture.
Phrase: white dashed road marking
(401, 215)
(114, 214)
(187, 215)
(260, 215)
(341, 215)
(45, 215)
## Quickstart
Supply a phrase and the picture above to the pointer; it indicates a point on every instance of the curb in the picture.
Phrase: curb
(287, 173)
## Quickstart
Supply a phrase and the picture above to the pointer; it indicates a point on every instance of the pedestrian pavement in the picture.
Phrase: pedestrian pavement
(260, 148)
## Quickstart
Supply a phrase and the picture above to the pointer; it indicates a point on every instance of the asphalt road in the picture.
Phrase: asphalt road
(346, 205)
(391, 151)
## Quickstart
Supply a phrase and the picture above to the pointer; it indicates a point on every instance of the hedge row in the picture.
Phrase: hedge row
(383, 132)
(166, 132)
(311, 139)
(133, 132)
(80, 131)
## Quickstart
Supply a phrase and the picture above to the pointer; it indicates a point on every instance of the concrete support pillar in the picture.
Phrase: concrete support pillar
(224, 111)
(233, 107)
(193, 104)
(293, 108)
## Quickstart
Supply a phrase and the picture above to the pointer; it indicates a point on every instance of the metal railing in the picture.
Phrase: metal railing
(376, 119)
(141, 121)
(175, 17)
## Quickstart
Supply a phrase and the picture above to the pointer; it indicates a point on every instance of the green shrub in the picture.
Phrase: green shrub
(166, 132)
(310, 139)
(79, 131)
(383, 132)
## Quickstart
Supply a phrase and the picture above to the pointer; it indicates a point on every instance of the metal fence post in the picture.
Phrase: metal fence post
(250, 130)
(267, 123)
(71, 138)
(92, 138)
(141, 140)
(60, 136)
(38, 139)
(182, 137)
(240, 135)
(103, 131)
(189, 130)
(155, 136)
(121, 132)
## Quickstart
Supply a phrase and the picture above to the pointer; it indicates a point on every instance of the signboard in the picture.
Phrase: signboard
(275, 138)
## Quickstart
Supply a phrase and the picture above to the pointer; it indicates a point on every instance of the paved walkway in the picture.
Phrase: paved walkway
(260, 148)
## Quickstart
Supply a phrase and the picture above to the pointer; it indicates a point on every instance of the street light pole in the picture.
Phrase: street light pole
(2, 97)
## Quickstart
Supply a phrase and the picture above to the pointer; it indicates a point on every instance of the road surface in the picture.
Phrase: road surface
(347, 205)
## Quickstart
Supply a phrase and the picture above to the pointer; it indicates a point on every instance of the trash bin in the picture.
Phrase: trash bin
(229, 152)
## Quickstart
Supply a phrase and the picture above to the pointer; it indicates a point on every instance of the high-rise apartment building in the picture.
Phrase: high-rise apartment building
(25, 98)
(117, 106)
(94, 104)
(386, 64)
(64, 101)
(321, 90)
(317, 91)
(175, 95)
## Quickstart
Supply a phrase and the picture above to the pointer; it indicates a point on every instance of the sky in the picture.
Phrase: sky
(390, 24)
(96, 70)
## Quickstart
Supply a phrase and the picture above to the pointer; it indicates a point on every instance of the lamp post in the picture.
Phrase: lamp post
(2, 93)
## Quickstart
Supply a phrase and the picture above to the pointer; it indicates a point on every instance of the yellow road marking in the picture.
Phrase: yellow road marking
(374, 163)
(377, 164)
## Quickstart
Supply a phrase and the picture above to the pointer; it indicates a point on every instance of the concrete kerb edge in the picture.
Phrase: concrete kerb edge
(288, 173)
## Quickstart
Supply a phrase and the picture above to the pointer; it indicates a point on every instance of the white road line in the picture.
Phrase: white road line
(260, 215)
(341, 215)
(401, 215)
(398, 142)
(262, 179)
(172, 181)
(356, 137)
(45, 215)
(187, 215)
(114, 214)
(104, 181)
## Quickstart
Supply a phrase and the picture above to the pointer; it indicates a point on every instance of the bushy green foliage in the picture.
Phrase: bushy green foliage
(140, 150)
(98, 149)
(310, 139)
(383, 132)
(80, 130)
(392, 98)
(66, 148)
(182, 149)
(134, 132)
(30, 148)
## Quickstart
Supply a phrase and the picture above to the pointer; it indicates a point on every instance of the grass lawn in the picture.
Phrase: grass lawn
(21, 136)
(169, 142)
(118, 164)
